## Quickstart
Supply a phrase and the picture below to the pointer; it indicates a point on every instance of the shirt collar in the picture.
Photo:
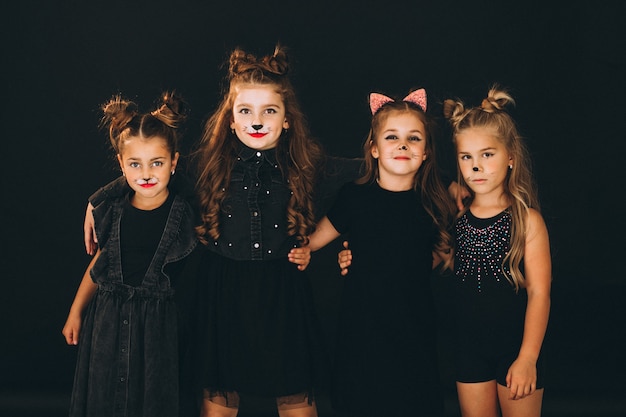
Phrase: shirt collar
(246, 153)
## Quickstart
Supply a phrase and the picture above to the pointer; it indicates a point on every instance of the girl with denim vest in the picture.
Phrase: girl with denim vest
(124, 318)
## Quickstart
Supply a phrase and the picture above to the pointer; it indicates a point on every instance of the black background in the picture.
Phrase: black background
(564, 64)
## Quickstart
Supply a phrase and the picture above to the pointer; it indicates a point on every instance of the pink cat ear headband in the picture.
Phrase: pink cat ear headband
(416, 97)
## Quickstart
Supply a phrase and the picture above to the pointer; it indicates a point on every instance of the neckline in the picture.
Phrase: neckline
(495, 216)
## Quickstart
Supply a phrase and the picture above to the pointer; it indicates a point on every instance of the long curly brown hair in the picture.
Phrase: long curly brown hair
(297, 153)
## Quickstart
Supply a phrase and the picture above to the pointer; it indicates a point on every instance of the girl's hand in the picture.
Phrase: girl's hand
(91, 241)
(344, 259)
(458, 193)
(300, 256)
(71, 330)
(521, 379)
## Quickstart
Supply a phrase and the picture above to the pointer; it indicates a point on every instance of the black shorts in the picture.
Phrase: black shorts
(481, 365)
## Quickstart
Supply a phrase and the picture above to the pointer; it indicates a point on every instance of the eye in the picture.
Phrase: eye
(391, 137)
(244, 111)
(271, 111)
(465, 157)
(134, 164)
(157, 163)
(487, 155)
(415, 138)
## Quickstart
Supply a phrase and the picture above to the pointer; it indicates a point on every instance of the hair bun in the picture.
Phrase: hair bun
(173, 110)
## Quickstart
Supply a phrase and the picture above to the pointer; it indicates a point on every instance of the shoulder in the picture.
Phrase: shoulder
(536, 225)
(339, 166)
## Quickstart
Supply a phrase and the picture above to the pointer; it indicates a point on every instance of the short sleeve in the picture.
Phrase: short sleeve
(341, 213)
(335, 172)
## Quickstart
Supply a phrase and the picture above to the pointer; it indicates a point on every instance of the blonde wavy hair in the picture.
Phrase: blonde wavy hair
(519, 185)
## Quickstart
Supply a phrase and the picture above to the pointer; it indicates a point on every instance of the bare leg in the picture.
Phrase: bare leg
(529, 406)
(299, 409)
(478, 399)
(216, 406)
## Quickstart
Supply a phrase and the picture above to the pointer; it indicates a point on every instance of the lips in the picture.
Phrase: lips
(147, 185)
(257, 135)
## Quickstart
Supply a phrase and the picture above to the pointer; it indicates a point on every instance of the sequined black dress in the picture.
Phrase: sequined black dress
(489, 313)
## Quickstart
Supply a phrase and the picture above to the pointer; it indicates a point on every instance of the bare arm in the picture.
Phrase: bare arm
(522, 376)
(84, 294)
(91, 241)
(324, 233)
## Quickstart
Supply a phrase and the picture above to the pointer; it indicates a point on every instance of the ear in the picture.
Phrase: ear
(374, 150)
(119, 159)
(175, 161)
(285, 124)
(424, 156)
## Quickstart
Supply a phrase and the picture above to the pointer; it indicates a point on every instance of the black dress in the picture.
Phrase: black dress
(259, 333)
(128, 356)
(386, 355)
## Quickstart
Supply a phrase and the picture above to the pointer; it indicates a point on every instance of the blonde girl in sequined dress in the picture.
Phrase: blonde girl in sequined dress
(502, 265)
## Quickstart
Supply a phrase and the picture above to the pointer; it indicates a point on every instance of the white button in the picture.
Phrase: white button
(256, 245)
(258, 154)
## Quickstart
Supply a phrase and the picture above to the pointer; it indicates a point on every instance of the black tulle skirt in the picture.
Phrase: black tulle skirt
(258, 331)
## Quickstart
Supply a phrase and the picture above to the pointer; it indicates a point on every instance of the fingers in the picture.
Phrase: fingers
(71, 336)
(459, 201)
(344, 258)
(300, 256)
(519, 389)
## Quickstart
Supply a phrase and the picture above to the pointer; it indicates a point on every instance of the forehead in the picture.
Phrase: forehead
(478, 138)
(134, 145)
(402, 120)
(257, 94)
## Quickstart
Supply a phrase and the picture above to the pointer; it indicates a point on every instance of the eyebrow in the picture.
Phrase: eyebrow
(134, 158)
(265, 105)
(393, 130)
(480, 150)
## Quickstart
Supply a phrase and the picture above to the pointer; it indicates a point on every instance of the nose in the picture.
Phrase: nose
(475, 169)
(257, 127)
(403, 148)
(146, 174)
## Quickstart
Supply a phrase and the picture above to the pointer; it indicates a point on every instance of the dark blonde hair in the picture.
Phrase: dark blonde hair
(123, 120)
(427, 180)
(297, 153)
(519, 185)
